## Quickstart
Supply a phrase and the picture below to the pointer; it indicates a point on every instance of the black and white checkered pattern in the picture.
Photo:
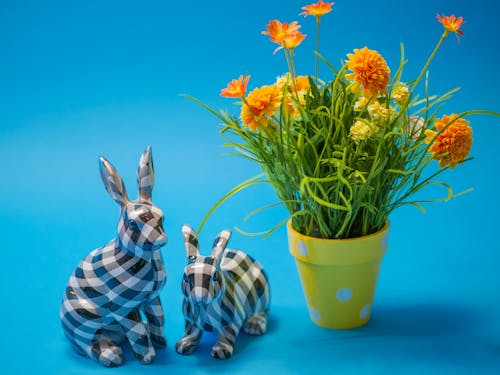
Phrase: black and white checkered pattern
(223, 292)
(116, 286)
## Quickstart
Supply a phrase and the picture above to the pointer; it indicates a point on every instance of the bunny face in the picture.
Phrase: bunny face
(141, 228)
(202, 282)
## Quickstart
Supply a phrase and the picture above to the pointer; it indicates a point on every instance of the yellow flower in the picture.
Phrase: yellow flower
(283, 80)
(452, 145)
(400, 94)
(380, 111)
(298, 90)
(369, 71)
(237, 88)
(362, 130)
(361, 104)
(318, 9)
(451, 23)
(261, 103)
(301, 83)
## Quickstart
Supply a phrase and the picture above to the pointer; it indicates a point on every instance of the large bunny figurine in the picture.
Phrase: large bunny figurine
(110, 289)
(223, 293)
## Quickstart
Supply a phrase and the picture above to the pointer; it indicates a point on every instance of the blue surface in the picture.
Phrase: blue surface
(84, 78)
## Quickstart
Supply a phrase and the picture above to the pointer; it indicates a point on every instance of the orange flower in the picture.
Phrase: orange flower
(285, 34)
(280, 31)
(303, 83)
(452, 145)
(319, 9)
(261, 102)
(293, 41)
(369, 70)
(237, 88)
(451, 23)
(298, 91)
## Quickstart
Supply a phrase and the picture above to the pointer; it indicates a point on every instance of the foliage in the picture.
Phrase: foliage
(342, 154)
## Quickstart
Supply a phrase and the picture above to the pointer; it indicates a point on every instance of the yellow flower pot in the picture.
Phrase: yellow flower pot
(339, 276)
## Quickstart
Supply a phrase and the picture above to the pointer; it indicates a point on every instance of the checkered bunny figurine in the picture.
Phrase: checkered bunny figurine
(110, 289)
(222, 292)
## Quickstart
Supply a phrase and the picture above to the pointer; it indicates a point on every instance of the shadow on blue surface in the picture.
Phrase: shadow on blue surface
(401, 338)
(421, 320)
(167, 356)
(422, 334)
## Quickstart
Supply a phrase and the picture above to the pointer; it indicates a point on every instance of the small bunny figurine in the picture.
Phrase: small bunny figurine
(222, 292)
(114, 284)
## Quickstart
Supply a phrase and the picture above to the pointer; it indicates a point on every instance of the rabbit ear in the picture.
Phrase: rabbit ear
(190, 241)
(220, 244)
(146, 175)
(113, 182)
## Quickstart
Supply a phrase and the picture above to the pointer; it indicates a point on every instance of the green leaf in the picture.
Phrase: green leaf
(251, 181)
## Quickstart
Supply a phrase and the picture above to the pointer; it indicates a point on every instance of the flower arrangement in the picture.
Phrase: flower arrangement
(342, 154)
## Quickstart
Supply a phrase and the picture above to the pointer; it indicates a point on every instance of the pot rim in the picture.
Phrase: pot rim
(338, 252)
(290, 228)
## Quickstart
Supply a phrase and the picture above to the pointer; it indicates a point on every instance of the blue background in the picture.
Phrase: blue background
(83, 78)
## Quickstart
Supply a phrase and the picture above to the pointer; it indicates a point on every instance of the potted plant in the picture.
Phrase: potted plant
(341, 155)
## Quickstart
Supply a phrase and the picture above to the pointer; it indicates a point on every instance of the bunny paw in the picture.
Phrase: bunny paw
(185, 346)
(256, 325)
(147, 358)
(222, 350)
(108, 354)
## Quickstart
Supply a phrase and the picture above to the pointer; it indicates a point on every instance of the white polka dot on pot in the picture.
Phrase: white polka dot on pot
(314, 314)
(344, 294)
(302, 248)
(365, 311)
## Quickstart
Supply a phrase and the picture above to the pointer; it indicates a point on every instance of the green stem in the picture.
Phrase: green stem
(251, 181)
(292, 64)
(288, 59)
(317, 46)
(428, 62)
